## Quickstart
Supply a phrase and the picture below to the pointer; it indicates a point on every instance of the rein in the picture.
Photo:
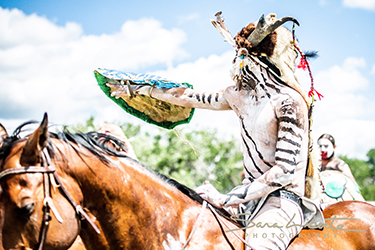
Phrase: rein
(196, 224)
(49, 173)
(218, 219)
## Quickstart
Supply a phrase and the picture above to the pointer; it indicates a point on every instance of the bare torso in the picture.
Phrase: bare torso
(268, 115)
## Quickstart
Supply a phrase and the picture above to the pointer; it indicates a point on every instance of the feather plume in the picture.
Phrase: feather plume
(220, 26)
(311, 54)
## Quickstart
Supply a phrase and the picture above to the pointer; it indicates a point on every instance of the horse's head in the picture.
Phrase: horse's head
(24, 185)
(22, 190)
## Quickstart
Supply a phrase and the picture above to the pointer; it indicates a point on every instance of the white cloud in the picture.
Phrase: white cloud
(345, 111)
(16, 29)
(208, 74)
(345, 78)
(354, 138)
(55, 74)
(362, 4)
(342, 87)
(45, 67)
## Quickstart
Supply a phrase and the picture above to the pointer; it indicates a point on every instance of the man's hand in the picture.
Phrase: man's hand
(210, 194)
(120, 90)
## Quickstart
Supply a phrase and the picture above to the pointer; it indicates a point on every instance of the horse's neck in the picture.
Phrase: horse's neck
(129, 200)
(138, 210)
(122, 180)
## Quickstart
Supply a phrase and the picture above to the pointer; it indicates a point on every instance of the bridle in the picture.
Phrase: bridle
(50, 177)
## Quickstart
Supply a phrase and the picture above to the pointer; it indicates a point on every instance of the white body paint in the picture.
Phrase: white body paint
(171, 243)
(273, 114)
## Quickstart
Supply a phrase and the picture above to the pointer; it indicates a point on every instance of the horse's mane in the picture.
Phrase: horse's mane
(97, 144)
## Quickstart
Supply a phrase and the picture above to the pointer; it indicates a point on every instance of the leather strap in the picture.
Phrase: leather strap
(26, 170)
(204, 206)
(46, 208)
(282, 193)
(78, 208)
(217, 217)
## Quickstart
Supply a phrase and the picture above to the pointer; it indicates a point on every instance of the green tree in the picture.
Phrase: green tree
(84, 128)
(364, 173)
(193, 157)
(190, 157)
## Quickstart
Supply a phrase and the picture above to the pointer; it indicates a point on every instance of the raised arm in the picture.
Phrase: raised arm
(180, 96)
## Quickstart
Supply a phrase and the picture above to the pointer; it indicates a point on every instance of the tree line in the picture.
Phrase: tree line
(194, 156)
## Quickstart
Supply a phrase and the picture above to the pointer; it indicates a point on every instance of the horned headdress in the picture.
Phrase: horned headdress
(267, 37)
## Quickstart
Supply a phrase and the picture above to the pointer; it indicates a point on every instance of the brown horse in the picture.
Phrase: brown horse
(139, 209)
(22, 205)
(349, 225)
(136, 208)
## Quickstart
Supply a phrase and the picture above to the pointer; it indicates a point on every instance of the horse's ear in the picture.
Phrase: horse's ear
(3, 134)
(35, 144)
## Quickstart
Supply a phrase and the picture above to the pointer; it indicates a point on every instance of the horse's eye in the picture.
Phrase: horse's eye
(234, 60)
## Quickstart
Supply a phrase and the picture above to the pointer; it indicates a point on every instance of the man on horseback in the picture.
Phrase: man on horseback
(273, 112)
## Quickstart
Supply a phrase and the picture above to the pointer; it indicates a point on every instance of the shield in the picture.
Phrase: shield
(147, 108)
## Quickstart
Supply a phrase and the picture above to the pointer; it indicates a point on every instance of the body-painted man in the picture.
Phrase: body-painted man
(329, 161)
(336, 176)
(273, 113)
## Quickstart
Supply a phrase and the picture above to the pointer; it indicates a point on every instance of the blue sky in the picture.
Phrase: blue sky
(49, 49)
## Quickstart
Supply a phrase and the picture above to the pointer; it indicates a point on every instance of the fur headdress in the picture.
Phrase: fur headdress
(268, 38)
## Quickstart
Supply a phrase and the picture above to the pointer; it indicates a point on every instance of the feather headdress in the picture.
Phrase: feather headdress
(220, 26)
